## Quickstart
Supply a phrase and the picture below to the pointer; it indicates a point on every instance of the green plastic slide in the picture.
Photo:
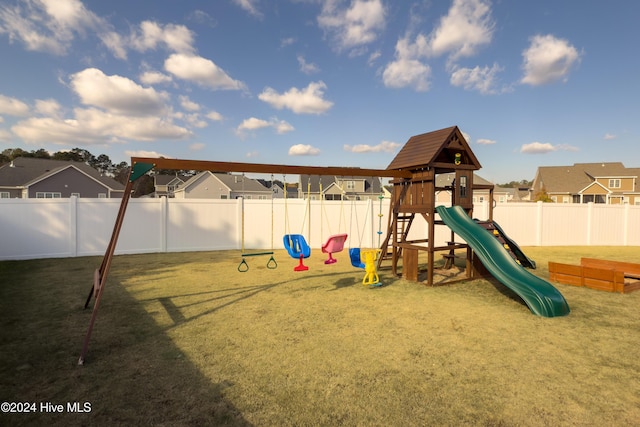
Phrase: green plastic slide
(539, 295)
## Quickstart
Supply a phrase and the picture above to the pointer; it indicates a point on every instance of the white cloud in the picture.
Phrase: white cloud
(253, 123)
(13, 107)
(249, 6)
(188, 104)
(481, 79)
(201, 71)
(154, 77)
(355, 26)
(373, 57)
(483, 141)
(197, 146)
(93, 126)
(305, 67)
(48, 107)
(143, 153)
(609, 136)
(467, 26)
(548, 59)
(303, 150)
(384, 146)
(119, 110)
(46, 25)
(543, 148)
(301, 101)
(407, 70)
(115, 43)
(287, 41)
(52, 25)
(195, 120)
(176, 38)
(116, 94)
(214, 115)
(404, 72)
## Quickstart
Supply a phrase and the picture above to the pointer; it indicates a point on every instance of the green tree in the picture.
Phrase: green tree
(542, 196)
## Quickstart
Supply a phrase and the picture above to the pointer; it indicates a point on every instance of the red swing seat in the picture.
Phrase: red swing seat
(335, 243)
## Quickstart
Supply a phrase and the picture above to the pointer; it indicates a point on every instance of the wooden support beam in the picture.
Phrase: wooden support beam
(203, 165)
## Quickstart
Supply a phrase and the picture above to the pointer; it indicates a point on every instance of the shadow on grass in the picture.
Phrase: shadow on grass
(237, 294)
(138, 376)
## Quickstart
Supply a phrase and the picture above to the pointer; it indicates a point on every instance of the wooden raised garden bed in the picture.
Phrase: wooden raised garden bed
(605, 275)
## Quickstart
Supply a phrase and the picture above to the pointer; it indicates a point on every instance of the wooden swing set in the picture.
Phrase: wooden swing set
(142, 165)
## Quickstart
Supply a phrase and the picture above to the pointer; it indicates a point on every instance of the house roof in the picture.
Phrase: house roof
(572, 179)
(164, 179)
(327, 180)
(24, 171)
(233, 181)
(439, 146)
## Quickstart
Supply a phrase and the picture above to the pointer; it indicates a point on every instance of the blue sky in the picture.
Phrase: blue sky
(323, 82)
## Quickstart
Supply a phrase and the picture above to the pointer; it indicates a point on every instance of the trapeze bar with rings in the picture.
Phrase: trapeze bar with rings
(243, 267)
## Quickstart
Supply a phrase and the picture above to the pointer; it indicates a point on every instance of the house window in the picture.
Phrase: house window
(566, 199)
(223, 196)
(501, 199)
(351, 185)
(262, 197)
(4, 194)
(555, 199)
(48, 195)
(614, 183)
(102, 195)
(75, 195)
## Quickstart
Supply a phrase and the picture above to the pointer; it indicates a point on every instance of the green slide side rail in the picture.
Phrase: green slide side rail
(539, 295)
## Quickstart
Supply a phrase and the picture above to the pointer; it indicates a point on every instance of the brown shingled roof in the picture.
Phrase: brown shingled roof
(425, 149)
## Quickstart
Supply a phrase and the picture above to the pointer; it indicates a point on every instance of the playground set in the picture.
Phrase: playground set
(414, 172)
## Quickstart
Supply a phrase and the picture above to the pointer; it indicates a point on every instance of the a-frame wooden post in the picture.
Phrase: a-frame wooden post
(101, 274)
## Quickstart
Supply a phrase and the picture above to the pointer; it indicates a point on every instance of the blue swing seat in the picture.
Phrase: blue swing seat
(296, 245)
(354, 254)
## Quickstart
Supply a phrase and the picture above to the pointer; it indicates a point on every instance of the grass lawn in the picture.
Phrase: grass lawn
(185, 339)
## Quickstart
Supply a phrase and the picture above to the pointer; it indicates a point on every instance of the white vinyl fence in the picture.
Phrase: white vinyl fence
(56, 228)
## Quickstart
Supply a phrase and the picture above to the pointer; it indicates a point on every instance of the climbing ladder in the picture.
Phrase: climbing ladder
(397, 231)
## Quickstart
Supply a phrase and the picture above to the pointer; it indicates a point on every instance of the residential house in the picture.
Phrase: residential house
(444, 182)
(29, 177)
(335, 187)
(210, 185)
(609, 183)
(166, 185)
(277, 188)
(511, 194)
